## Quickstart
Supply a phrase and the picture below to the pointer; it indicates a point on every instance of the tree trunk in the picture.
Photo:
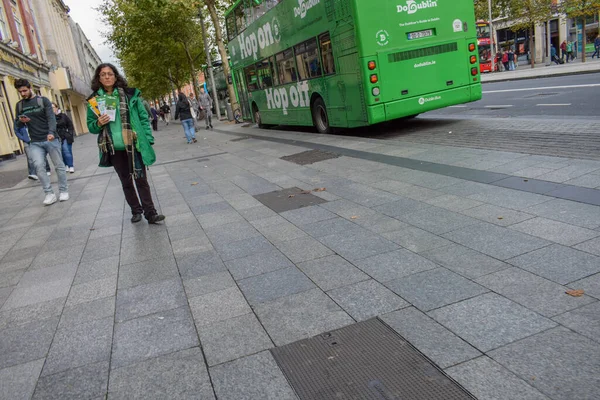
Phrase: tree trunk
(583, 39)
(192, 68)
(222, 51)
(531, 47)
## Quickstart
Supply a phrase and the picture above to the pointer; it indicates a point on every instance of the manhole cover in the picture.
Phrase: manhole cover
(367, 360)
(310, 157)
(288, 199)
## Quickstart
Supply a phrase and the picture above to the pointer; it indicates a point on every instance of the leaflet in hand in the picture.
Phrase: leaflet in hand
(108, 105)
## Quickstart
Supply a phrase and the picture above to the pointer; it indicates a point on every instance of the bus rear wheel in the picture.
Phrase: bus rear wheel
(320, 118)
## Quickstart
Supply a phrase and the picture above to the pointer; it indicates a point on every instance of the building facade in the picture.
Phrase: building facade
(22, 56)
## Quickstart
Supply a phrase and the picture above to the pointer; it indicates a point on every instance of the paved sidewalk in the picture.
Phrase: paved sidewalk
(473, 275)
(544, 71)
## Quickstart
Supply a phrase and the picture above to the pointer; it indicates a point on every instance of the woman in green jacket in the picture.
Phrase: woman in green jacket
(117, 115)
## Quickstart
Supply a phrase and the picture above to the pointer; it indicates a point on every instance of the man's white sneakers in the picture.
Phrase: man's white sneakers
(72, 170)
(64, 196)
(49, 173)
(50, 199)
(33, 177)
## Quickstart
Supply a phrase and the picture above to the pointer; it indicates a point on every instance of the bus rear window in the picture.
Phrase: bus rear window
(327, 54)
(307, 59)
(286, 67)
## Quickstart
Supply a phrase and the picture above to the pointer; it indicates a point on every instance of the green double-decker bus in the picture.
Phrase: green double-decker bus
(351, 63)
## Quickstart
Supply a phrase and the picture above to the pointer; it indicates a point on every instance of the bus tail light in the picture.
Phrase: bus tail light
(474, 71)
(374, 78)
(376, 91)
(372, 65)
(473, 59)
(472, 47)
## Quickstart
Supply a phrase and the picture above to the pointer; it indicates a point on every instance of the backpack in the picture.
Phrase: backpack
(40, 103)
(505, 57)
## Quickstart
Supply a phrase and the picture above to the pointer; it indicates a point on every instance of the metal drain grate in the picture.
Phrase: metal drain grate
(288, 199)
(368, 360)
(310, 157)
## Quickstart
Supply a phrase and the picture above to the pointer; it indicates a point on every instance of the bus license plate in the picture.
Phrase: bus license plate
(420, 34)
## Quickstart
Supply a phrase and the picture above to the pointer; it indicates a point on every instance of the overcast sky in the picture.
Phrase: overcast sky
(82, 12)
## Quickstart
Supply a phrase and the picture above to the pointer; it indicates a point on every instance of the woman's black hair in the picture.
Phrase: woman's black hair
(182, 97)
(96, 85)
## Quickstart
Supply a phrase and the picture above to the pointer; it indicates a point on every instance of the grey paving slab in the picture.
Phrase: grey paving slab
(464, 261)
(435, 288)
(555, 231)
(486, 379)
(497, 215)
(93, 290)
(257, 264)
(584, 320)
(98, 269)
(32, 294)
(233, 232)
(453, 203)
(78, 345)
(153, 335)
(4, 293)
(490, 321)
(181, 375)
(531, 291)
(589, 181)
(348, 209)
(35, 312)
(243, 248)
(211, 208)
(56, 273)
(513, 199)
(355, 246)
(18, 382)
(158, 269)
(401, 207)
(301, 315)
(185, 229)
(591, 246)
(206, 284)
(272, 285)
(569, 212)
(281, 232)
(564, 363)
(591, 285)
(23, 263)
(101, 248)
(367, 299)
(233, 338)
(439, 344)
(148, 299)
(218, 306)
(500, 243)
(252, 377)
(219, 218)
(200, 263)
(303, 249)
(378, 223)
(307, 215)
(415, 239)
(256, 213)
(332, 227)
(437, 220)
(137, 248)
(51, 258)
(332, 272)
(87, 312)
(550, 263)
(89, 381)
(393, 265)
(11, 278)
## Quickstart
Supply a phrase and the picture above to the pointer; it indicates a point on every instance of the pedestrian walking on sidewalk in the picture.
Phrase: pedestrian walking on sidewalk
(117, 114)
(206, 106)
(183, 112)
(66, 133)
(563, 50)
(511, 60)
(23, 135)
(154, 118)
(35, 113)
(553, 56)
(166, 112)
(505, 60)
(195, 106)
(596, 47)
(570, 51)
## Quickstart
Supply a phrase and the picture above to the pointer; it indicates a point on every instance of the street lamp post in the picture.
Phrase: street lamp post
(492, 41)
(210, 67)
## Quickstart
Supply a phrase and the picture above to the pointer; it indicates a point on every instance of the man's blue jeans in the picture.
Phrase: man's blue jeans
(38, 152)
(30, 165)
(67, 153)
(189, 128)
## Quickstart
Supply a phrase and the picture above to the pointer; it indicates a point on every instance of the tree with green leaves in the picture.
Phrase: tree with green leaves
(499, 8)
(526, 15)
(580, 10)
(157, 41)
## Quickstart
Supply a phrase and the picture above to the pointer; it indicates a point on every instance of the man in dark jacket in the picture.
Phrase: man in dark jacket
(183, 112)
(166, 112)
(35, 113)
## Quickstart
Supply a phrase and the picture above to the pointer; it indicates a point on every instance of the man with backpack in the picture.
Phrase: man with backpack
(36, 114)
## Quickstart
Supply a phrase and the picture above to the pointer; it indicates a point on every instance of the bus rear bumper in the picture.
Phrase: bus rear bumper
(418, 105)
